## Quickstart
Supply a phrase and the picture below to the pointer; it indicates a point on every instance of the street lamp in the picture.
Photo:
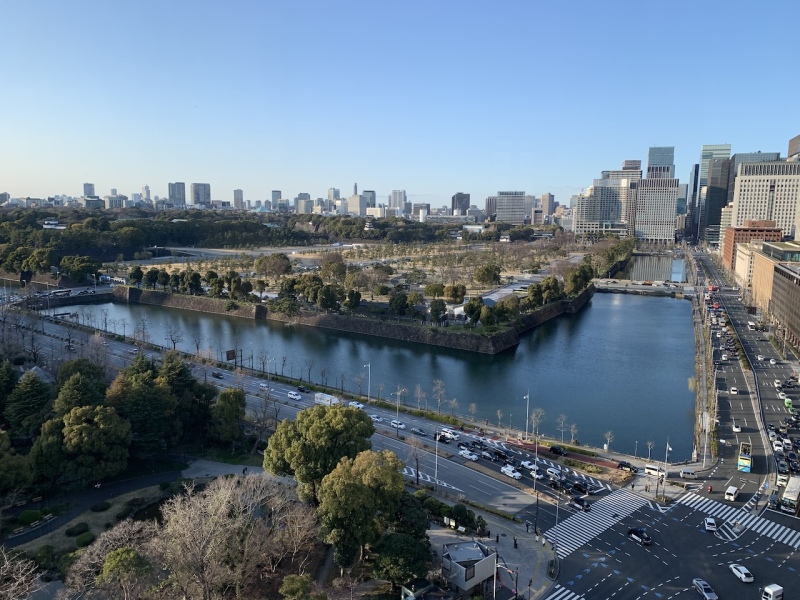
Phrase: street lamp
(369, 379)
(527, 411)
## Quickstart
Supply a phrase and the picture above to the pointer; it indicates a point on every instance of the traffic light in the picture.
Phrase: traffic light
(530, 582)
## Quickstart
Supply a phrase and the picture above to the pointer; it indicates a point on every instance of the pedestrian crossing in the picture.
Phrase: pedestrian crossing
(744, 519)
(412, 474)
(562, 593)
(580, 528)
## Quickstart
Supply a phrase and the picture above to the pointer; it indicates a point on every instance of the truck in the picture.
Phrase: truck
(791, 495)
(772, 592)
(326, 399)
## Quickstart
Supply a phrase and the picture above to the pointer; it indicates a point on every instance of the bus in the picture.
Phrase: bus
(791, 495)
(745, 458)
(751, 326)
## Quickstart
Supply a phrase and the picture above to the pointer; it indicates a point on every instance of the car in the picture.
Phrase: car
(558, 450)
(705, 590)
(783, 467)
(710, 524)
(463, 446)
(418, 431)
(450, 433)
(794, 466)
(478, 445)
(69, 347)
(528, 465)
(357, 405)
(736, 427)
(790, 455)
(760, 357)
(724, 357)
(782, 395)
(510, 471)
(105, 343)
(537, 474)
(734, 391)
(295, 396)
(264, 386)
(217, 375)
(639, 535)
(303, 389)
(376, 418)
(777, 383)
(397, 424)
(487, 455)
(500, 455)
(777, 446)
(440, 437)
(136, 351)
(624, 465)
(741, 572)
(771, 426)
(772, 361)
(580, 504)
(468, 455)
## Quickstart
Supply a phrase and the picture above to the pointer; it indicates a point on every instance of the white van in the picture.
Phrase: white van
(731, 494)
(688, 474)
(653, 470)
(555, 474)
(449, 433)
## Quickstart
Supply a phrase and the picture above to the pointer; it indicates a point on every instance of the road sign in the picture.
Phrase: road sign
(766, 485)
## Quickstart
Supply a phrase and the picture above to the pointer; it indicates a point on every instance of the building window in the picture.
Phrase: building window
(469, 573)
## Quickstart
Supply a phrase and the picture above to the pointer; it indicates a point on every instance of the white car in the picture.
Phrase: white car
(265, 386)
(295, 396)
(777, 382)
(734, 391)
(537, 474)
(777, 446)
(737, 428)
(511, 472)
(741, 573)
(773, 435)
(710, 524)
(772, 361)
(782, 395)
(397, 424)
(760, 357)
(468, 455)
(724, 357)
(357, 405)
(528, 465)
(447, 432)
(376, 418)
(705, 590)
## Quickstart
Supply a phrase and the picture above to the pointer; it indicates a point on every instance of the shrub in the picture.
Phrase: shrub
(135, 502)
(26, 517)
(101, 507)
(84, 539)
(576, 464)
(77, 529)
(164, 486)
(124, 513)
(46, 557)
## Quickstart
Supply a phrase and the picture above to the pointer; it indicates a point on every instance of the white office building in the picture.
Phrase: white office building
(767, 191)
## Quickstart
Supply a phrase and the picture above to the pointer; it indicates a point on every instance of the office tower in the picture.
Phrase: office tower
(355, 189)
(656, 196)
(609, 205)
(113, 191)
(716, 197)
(146, 193)
(177, 193)
(691, 203)
(357, 205)
(397, 199)
(682, 194)
(794, 148)
(707, 152)
(276, 198)
(369, 196)
(459, 204)
(4, 197)
(750, 231)
(114, 201)
(201, 194)
(767, 191)
(548, 204)
(88, 189)
(490, 207)
(238, 199)
(333, 194)
(746, 157)
(509, 207)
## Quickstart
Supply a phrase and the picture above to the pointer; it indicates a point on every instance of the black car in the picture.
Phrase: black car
(639, 535)
(580, 504)
(558, 450)
(463, 446)
(500, 455)
(302, 388)
(478, 445)
(555, 484)
(440, 437)
(580, 487)
(216, 375)
(417, 431)
(626, 466)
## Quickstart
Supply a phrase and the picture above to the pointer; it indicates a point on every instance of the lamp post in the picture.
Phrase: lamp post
(369, 379)
(636, 449)
(397, 418)
(527, 411)
(436, 461)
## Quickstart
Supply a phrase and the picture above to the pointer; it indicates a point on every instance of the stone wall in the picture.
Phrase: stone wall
(184, 302)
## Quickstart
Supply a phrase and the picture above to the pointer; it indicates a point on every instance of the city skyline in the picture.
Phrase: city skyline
(292, 105)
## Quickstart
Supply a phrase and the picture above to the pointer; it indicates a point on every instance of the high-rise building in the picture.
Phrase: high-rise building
(656, 198)
(707, 152)
(397, 199)
(113, 191)
(548, 204)
(746, 157)
(146, 193)
(276, 198)
(177, 193)
(768, 191)
(750, 231)
(88, 189)
(794, 148)
(201, 194)
(692, 210)
(333, 194)
(238, 199)
(510, 207)
(459, 204)
(355, 189)
(716, 197)
(369, 196)
(357, 205)
(609, 205)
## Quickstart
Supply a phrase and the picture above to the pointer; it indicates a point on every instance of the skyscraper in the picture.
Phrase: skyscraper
(707, 152)
(397, 199)
(113, 191)
(746, 157)
(201, 194)
(459, 203)
(767, 191)
(276, 198)
(333, 194)
(609, 205)
(794, 148)
(238, 199)
(146, 193)
(369, 196)
(657, 198)
(88, 189)
(716, 200)
(548, 204)
(177, 194)
(510, 207)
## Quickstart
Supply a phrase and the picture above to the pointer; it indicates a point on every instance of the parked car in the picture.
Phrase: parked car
(741, 573)
(705, 590)
(639, 535)
(295, 396)
(558, 450)
(510, 471)
(468, 455)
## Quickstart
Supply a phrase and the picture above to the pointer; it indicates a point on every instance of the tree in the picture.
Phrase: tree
(434, 289)
(401, 558)
(77, 391)
(573, 432)
(358, 497)
(650, 445)
(8, 380)
(353, 299)
(95, 443)
(438, 309)
(330, 297)
(411, 518)
(136, 275)
(472, 309)
(298, 587)
(125, 570)
(151, 278)
(17, 576)
(562, 425)
(15, 471)
(47, 455)
(311, 446)
(28, 405)
(455, 293)
(488, 317)
(79, 267)
(228, 413)
(488, 274)
(398, 304)
(438, 393)
(609, 437)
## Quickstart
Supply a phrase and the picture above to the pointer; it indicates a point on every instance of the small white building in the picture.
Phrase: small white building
(468, 565)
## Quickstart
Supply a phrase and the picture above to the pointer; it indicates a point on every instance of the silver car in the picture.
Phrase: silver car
(705, 590)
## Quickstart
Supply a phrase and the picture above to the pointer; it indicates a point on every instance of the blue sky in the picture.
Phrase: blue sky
(430, 97)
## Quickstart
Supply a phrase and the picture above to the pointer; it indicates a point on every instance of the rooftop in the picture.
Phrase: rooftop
(466, 552)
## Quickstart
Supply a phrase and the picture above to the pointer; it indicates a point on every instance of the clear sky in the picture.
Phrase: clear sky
(433, 97)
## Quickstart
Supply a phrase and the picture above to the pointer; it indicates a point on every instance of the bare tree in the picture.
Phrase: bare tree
(124, 323)
(562, 425)
(650, 445)
(17, 576)
(416, 450)
(323, 375)
(380, 390)
(198, 341)
(263, 358)
(310, 362)
(359, 381)
(453, 402)
(537, 416)
(499, 418)
(175, 335)
(283, 363)
(438, 393)
(609, 436)
(473, 408)
(420, 396)
(261, 417)
(573, 432)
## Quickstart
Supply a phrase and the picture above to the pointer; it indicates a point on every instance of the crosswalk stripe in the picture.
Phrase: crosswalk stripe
(562, 593)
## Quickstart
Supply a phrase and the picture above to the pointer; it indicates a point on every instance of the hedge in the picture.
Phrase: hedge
(26, 517)
(77, 529)
(84, 539)
(101, 507)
